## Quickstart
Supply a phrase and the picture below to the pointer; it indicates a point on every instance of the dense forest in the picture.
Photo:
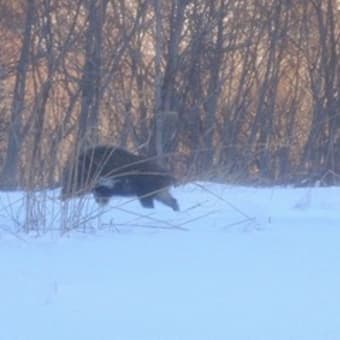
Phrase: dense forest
(244, 91)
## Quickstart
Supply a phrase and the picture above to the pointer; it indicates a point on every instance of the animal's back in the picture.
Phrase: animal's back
(104, 161)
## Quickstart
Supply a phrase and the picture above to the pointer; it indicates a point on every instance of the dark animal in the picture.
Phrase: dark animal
(108, 171)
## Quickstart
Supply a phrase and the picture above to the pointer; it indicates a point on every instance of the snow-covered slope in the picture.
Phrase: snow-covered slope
(235, 263)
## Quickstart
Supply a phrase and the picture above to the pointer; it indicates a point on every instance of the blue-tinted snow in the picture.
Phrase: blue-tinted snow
(235, 263)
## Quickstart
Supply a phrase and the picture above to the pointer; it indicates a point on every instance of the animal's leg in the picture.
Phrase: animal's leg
(165, 197)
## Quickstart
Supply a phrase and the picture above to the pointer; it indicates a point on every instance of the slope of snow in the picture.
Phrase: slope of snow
(235, 263)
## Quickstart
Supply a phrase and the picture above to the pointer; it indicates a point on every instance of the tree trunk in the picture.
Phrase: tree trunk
(9, 175)
(91, 78)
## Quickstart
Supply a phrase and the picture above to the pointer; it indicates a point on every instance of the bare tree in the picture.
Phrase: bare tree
(243, 90)
(15, 137)
(322, 148)
(91, 74)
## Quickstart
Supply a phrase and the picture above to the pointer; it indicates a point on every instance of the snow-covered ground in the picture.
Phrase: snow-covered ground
(234, 263)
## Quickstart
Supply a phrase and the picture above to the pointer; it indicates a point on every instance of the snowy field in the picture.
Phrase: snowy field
(234, 263)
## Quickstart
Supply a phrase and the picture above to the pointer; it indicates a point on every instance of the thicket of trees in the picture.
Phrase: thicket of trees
(245, 90)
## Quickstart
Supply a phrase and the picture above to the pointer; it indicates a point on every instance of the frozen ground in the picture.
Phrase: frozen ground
(235, 263)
